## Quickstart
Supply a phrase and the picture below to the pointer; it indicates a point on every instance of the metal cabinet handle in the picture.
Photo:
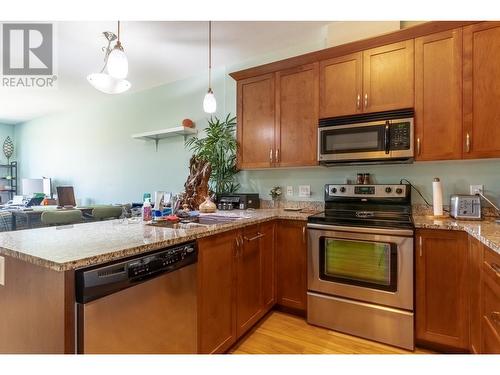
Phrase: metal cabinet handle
(358, 101)
(304, 234)
(420, 245)
(467, 143)
(495, 268)
(277, 155)
(495, 317)
(418, 146)
(271, 156)
(366, 100)
(256, 237)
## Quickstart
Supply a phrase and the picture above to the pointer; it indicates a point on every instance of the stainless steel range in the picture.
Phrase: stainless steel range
(360, 263)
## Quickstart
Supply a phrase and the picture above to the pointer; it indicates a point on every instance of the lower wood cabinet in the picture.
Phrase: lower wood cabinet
(291, 253)
(236, 284)
(441, 303)
(490, 303)
(217, 292)
(474, 281)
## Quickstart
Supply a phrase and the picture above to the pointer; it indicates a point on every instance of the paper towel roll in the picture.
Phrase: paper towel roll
(437, 197)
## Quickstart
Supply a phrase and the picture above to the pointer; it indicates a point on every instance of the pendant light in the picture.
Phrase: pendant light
(209, 102)
(116, 64)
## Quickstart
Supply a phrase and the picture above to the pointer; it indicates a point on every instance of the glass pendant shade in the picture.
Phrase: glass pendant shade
(117, 63)
(108, 84)
(209, 103)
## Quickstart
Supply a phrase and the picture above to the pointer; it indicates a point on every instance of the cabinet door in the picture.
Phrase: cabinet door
(256, 116)
(249, 281)
(438, 96)
(388, 80)
(291, 245)
(216, 292)
(297, 98)
(441, 289)
(475, 264)
(340, 81)
(268, 265)
(482, 90)
(490, 303)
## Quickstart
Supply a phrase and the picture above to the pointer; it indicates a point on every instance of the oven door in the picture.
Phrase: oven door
(365, 264)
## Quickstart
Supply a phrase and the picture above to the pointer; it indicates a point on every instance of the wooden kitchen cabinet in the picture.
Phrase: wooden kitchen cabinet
(441, 303)
(291, 246)
(256, 122)
(481, 90)
(475, 266)
(217, 292)
(438, 96)
(297, 98)
(341, 85)
(249, 280)
(388, 77)
(490, 303)
(268, 258)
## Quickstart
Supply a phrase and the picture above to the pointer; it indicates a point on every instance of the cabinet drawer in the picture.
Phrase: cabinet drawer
(491, 339)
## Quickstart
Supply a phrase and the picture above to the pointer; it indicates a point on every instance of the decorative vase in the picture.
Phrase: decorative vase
(208, 206)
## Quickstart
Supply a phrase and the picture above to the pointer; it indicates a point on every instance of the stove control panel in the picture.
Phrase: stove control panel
(372, 191)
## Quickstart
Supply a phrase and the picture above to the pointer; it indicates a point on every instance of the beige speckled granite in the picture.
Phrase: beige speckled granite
(70, 247)
(486, 231)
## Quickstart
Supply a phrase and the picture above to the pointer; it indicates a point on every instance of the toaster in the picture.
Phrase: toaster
(466, 207)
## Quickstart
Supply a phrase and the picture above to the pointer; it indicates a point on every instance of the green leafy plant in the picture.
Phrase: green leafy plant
(218, 147)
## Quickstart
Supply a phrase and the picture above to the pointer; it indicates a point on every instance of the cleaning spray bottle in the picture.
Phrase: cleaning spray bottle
(146, 210)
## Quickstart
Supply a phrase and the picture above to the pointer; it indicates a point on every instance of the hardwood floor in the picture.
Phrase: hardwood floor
(280, 333)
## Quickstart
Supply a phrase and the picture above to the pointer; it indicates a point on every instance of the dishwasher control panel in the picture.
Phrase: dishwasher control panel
(98, 281)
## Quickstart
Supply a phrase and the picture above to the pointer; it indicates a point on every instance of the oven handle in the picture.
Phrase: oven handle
(396, 232)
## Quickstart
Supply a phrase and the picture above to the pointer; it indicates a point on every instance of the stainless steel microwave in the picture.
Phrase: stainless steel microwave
(384, 137)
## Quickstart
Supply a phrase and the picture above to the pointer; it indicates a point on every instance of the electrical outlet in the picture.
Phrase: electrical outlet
(2, 271)
(304, 191)
(474, 189)
(289, 191)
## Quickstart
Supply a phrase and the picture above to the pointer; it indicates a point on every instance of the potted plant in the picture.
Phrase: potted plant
(218, 147)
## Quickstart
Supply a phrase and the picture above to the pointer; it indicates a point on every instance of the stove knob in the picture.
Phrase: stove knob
(399, 191)
(388, 190)
(342, 189)
(333, 190)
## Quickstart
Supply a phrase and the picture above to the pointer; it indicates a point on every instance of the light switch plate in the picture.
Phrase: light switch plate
(304, 191)
(2, 271)
(289, 191)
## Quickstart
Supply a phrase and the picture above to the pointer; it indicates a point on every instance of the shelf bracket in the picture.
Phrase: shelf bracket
(157, 140)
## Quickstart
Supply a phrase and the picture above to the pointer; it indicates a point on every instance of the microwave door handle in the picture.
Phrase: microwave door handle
(387, 143)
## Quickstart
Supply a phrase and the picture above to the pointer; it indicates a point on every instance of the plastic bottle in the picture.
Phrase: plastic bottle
(146, 210)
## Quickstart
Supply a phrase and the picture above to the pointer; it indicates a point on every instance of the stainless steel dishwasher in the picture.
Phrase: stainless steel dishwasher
(144, 304)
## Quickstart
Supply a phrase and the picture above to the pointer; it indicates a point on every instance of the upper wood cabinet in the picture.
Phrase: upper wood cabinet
(441, 303)
(438, 96)
(388, 77)
(256, 118)
(481, 80)
(297, 98)
(341, 85)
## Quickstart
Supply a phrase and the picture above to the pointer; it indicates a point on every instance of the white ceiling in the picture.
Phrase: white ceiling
(158, 53)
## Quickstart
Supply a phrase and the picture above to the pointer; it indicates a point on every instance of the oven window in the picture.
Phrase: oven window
(363, 263)
(362, 139)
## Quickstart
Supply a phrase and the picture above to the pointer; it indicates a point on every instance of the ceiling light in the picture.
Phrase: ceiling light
(209, 102)
(116, 64)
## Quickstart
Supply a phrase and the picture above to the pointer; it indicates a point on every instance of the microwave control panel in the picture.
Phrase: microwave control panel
(400, 136)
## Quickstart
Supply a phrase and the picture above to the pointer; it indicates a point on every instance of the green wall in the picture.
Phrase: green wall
(92, 148)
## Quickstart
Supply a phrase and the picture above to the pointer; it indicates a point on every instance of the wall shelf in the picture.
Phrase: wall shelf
(156, 135)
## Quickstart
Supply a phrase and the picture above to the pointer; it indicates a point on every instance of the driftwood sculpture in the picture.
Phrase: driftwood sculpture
(196, 186)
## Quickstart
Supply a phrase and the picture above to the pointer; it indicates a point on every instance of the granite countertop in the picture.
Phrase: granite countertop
(487, 231)
(75, 246)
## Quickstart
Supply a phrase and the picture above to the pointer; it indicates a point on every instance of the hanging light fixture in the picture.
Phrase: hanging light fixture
(209, 102)
(116, 64)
